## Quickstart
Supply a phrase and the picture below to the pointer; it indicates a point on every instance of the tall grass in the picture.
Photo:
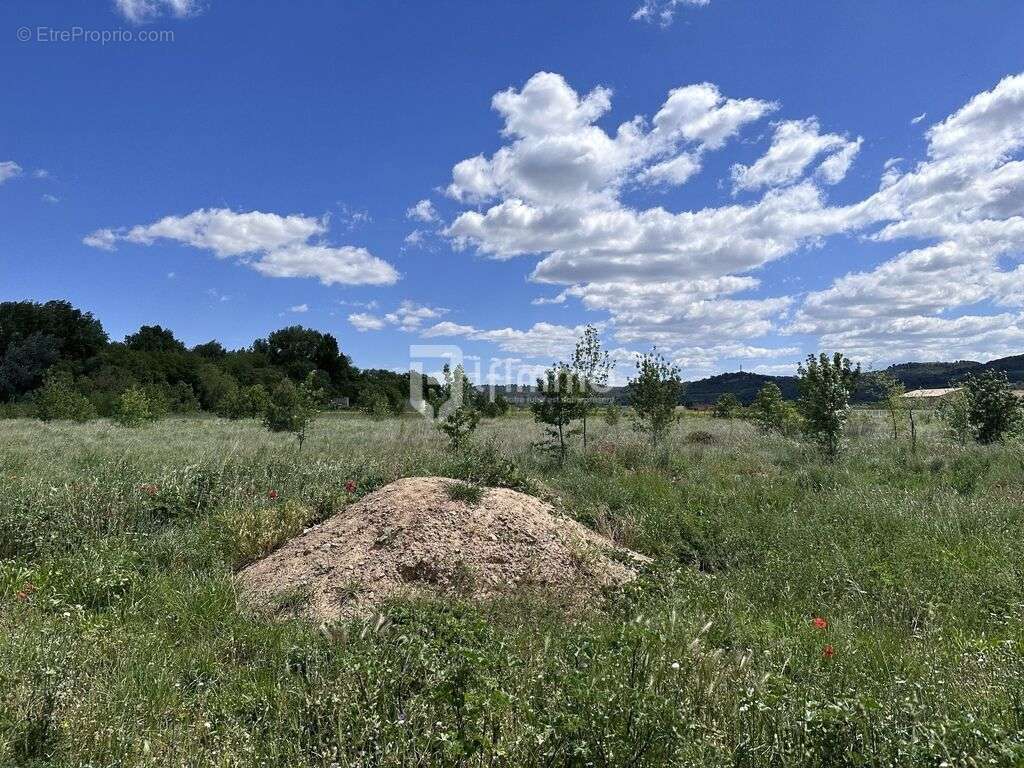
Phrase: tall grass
(122, 642)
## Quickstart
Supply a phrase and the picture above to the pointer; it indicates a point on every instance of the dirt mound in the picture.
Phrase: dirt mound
(411, 538)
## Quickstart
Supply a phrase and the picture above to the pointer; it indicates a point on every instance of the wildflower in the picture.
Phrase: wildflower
(819, 623)
(350, 486)
(271, 494)
(828, 651)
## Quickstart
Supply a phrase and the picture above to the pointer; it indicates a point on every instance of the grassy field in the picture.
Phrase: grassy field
(122, 644)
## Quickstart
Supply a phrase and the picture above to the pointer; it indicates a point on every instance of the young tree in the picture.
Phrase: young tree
(293, 408)
(770, 409)
(133, 408)
(825, 388)
(591, 366)
(558, 408)
(953, 413)
(59, 400)
(458, 426)
(993, 410)
(726, 407)
(612, 412)
(654, 395)
(892, 391)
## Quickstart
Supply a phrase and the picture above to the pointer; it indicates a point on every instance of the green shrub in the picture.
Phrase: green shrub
(726, 407)
(293, 408)
(133, 408)
(700, 437)
(58, 400)
(458, 426)
(654, 395)
(468, 493)
(825, 388)
(993, 410)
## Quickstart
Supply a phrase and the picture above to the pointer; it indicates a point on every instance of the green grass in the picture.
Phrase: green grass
(122, 643)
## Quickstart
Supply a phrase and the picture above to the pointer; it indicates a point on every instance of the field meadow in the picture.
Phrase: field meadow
(122, 641)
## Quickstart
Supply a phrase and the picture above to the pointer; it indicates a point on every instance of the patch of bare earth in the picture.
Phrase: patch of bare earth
(412, 539)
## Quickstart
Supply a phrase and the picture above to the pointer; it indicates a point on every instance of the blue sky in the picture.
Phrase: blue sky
(740, 183)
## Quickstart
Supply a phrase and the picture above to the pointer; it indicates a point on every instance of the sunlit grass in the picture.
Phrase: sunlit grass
(121, 642)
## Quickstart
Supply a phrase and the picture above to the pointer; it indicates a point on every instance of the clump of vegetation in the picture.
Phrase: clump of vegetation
(558, 408)
(825, 388)
(58, 400)
(654, 394)
(468, 493)
(134, 408)
(458, 426)
(769, 409)
(244, 403)
(591, 366)
(727, 406)
(993, 410)
(700, 437)
(612, 414)
(376, 406)
(456, 409)
(954, 415)
(293, 408)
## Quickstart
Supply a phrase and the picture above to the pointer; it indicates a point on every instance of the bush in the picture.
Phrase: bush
(993, 411)
(769, 409)
(727, 406)
(58, 400)
(246, 403)
(133, 408)
(654, 395)
(293, 408)
(825, 388)
(700, 437)
(612, 413)
(458, 426)
(953, 414)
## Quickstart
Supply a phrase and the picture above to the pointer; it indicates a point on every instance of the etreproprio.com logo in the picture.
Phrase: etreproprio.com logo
(95, 36)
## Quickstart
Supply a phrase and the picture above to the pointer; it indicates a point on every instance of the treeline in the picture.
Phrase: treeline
(55, 353)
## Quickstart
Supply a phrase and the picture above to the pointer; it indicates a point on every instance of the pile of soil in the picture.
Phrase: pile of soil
(410, 538)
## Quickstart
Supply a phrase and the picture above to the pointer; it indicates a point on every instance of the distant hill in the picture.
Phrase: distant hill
(913, 375)
(742, 384)
(745, 385)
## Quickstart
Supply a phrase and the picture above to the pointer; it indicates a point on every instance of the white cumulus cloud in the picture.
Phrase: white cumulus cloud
(274, 245)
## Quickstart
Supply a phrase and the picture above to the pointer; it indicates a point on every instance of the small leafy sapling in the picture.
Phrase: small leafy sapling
(769, 409)
(457, 414)
(826, 384)
(458, 426)
(654, 394)
(293, 408)
(133, 408)
(953, 414)
(612, 414)
(558, 408)
(892, 393)
(58, 399)
(591, 365)
(993, 410)
(727, 406)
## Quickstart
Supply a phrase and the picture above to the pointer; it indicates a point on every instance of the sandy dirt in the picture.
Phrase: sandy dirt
(411, 539)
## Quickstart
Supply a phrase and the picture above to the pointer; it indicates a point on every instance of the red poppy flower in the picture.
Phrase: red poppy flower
(819, 623)
(350, 486)
(271, 494)
(828, 652)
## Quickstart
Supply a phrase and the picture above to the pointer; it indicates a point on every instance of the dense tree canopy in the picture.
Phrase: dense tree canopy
(40, 341)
